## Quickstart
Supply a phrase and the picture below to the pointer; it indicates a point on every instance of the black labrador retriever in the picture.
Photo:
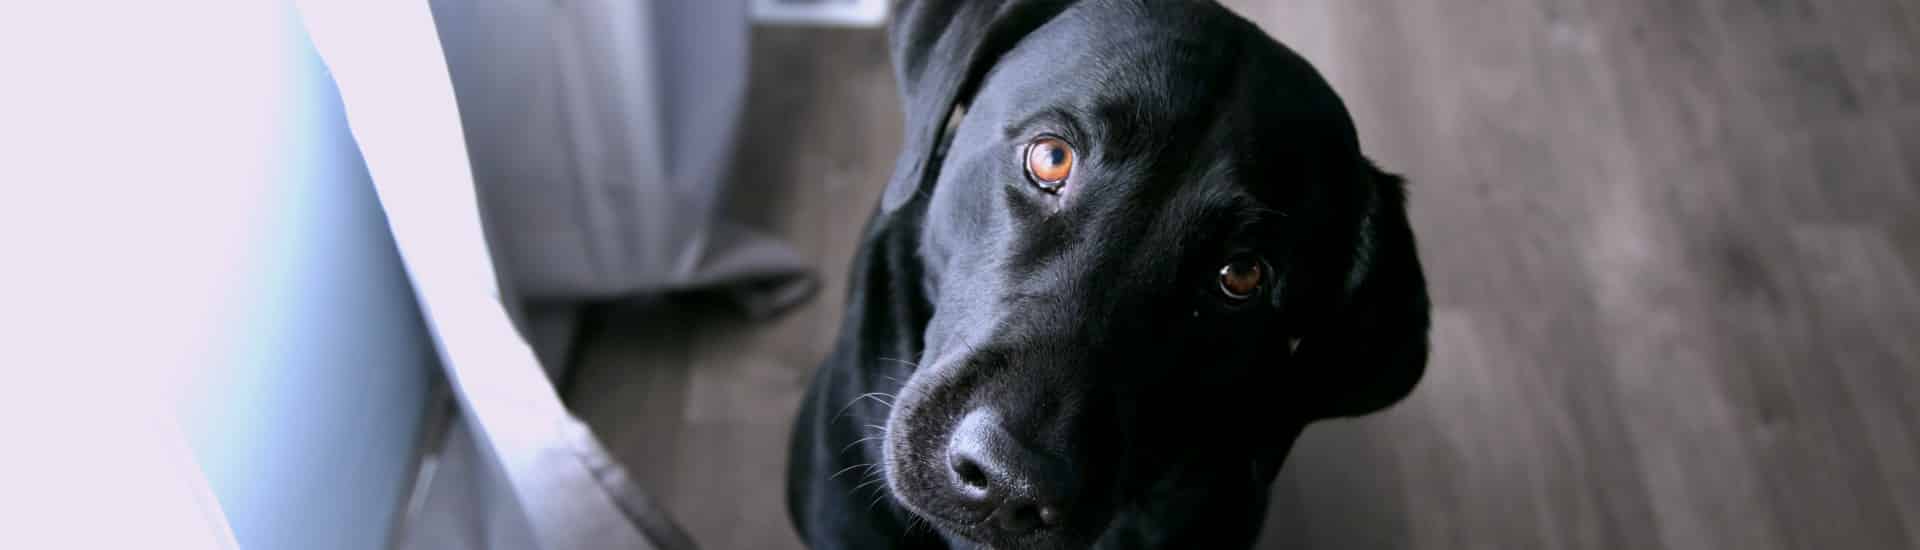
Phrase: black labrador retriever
(1130, 249)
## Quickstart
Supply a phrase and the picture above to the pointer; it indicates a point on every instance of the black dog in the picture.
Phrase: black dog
(1131, 248)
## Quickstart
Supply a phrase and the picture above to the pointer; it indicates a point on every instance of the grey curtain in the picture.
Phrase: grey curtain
(599, 134)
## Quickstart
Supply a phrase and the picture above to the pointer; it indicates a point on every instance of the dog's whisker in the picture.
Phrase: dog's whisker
(901, 361)
(877, 397)
(845, 470)
(864, 485)
(874, 474)
(850, 446)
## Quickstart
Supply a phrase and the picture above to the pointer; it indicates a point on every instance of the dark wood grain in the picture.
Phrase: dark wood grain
(1674, 249)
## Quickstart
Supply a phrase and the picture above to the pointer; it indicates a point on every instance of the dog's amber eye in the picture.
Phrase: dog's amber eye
(1049, 162)
(1241, 279)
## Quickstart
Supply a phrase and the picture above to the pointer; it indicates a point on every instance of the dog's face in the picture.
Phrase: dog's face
(1144, 228)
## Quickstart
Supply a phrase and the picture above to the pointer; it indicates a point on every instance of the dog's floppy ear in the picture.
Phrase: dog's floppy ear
(941, 49)
(1374, 349)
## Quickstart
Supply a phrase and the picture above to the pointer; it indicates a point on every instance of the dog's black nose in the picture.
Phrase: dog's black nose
(1024, 489)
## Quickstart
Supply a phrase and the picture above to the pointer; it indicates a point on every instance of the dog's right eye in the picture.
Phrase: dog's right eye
(1049, 162)
(1241, 279)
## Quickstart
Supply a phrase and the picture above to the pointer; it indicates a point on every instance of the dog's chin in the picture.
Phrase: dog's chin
(1037, 541)
(974, 536)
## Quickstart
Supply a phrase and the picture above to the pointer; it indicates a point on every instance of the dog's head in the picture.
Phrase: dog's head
(1151, 241)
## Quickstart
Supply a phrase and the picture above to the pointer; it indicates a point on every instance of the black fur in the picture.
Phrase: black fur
(1090, 319)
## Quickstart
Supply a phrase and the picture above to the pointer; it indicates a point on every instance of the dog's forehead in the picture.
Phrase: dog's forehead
(1143, 75)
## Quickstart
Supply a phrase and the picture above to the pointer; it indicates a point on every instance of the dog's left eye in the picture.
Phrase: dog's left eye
(1049, 162)
(1241, 279)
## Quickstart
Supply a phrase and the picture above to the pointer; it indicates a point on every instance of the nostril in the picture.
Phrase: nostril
(1020, 515)
(1012, 486)
(1049, 516)
(970, 473)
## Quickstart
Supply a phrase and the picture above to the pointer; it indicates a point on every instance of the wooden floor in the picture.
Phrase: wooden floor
(1674, 249)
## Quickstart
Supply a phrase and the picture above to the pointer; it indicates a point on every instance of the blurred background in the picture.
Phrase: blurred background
(1673, 248)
